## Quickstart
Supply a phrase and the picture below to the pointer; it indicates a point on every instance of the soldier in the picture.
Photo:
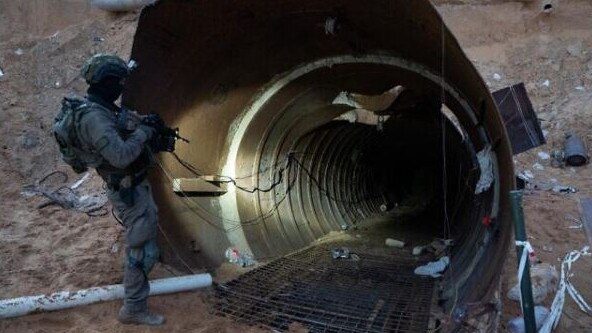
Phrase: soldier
(121, 156)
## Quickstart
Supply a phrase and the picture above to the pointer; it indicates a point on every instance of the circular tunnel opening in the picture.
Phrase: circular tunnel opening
(270, 109)
(407, 170)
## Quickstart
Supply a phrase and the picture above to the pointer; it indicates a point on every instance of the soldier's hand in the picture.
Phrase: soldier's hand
(155, 121)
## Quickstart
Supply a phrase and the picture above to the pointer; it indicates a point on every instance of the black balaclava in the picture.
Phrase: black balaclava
(108, 89)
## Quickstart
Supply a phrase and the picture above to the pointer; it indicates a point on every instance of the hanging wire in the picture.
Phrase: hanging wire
(447, 231)
(237, 223)
(290, 161)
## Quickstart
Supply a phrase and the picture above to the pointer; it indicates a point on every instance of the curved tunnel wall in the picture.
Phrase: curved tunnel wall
(250, 83)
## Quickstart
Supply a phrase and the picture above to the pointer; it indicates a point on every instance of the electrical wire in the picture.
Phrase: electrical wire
(237, 223)
(166, 238)
(323, 190)
(447, 228)
(233, 180)
(57, 172)
(278, 177)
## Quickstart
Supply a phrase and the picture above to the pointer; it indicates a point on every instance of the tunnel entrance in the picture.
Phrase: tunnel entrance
(259, 95)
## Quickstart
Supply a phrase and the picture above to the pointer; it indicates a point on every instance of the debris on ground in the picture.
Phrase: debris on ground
(418, 250)
(433, 268)
(566, 285)
(234, 256)
(68, 197)
(543, 155)
(394, 243)
(516, 325)
(526, 176)
(344, 253)
(557, 158)
(524, 131)
(575, 151)
(563, 189)
(548, 7)
(544, 279)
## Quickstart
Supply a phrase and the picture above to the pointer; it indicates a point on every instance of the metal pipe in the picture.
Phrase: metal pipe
(521, 250)
(21, 306)
(575, 150)
(121, 5)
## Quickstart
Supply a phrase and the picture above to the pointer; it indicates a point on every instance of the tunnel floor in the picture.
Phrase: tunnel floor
(375, 291)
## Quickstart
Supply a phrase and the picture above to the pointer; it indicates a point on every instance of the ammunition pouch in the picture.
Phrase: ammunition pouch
(125, 185)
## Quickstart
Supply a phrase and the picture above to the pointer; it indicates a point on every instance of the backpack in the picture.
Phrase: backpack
(65, 130)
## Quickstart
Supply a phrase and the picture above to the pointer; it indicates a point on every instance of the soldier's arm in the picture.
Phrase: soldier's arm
(102, 135)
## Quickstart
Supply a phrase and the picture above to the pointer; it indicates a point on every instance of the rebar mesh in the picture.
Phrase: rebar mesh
(376, 293)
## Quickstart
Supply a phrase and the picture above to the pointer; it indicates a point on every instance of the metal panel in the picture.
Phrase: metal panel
(522, 124)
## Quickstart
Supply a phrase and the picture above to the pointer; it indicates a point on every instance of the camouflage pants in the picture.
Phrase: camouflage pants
(140, 219)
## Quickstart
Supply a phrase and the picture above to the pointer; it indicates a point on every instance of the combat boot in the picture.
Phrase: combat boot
(140, 318)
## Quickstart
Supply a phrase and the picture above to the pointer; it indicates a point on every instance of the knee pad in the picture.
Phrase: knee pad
(145, 257)
(151, 255)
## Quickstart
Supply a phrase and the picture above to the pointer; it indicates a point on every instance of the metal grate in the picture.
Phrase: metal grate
(377, 293)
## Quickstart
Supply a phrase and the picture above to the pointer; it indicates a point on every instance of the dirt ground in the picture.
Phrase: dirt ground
(43, 43)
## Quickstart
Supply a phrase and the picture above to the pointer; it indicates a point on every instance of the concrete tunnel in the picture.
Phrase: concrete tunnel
(253, 86)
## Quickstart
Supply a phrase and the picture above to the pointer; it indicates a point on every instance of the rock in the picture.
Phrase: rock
(575, 50)
(544, 279)
(543, 155)
(29, 140)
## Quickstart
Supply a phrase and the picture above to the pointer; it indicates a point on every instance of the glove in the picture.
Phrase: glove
(155, 121)
(162, 142)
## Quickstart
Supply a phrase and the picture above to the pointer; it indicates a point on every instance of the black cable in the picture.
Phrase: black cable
(116, 218)
(316, 182)
(57, 172)
(233, 181)
(240, 223)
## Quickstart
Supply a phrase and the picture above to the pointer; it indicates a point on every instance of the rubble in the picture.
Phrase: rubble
(234, 256)
(544, 279)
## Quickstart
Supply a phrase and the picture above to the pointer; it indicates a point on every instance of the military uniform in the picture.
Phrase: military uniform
(94, 132)
(122, 159)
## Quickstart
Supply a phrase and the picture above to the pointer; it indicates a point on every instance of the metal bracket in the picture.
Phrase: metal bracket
(200, 185)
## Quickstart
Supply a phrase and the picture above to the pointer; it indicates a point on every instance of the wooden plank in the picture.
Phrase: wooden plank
(196, 185)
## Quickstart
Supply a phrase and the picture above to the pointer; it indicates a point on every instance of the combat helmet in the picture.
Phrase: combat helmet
(102, 65)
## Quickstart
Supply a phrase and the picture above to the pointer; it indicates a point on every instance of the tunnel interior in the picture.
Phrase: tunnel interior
(257, 94)
(410, 165)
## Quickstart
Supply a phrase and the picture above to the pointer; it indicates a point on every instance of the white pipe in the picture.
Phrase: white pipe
(63, 300)
(121, 5)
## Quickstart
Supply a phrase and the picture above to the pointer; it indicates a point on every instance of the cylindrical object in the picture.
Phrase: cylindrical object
(394, 243)
(525, 285)
(121, 5)
(20, 306)
(575, 150)
(272, 125)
